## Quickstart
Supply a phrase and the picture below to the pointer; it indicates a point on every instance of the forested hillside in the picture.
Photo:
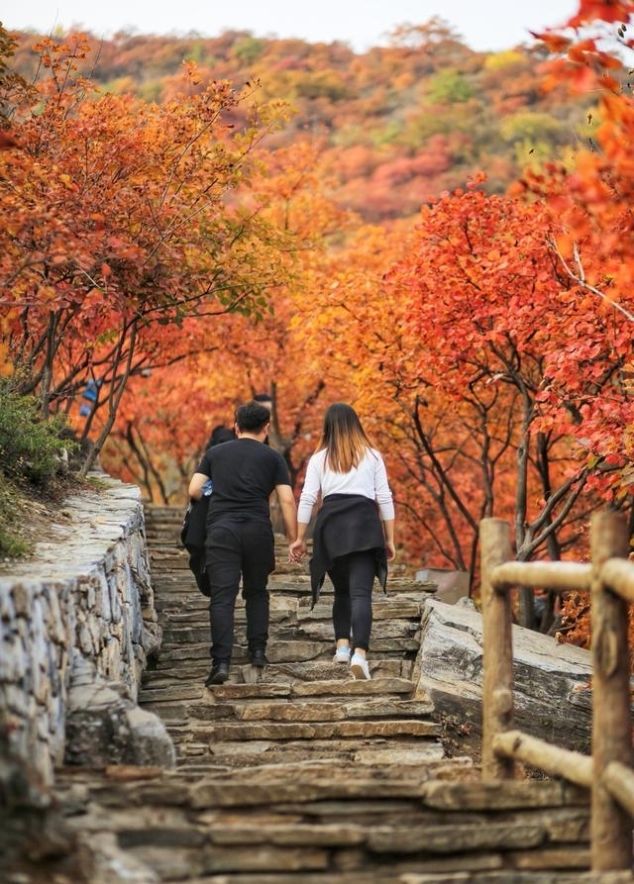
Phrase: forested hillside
(442, 238)
(396, 124)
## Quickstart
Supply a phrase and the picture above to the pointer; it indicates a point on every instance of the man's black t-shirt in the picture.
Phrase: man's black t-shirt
(243, 474)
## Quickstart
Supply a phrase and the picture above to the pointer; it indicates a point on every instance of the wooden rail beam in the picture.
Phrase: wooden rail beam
(560, 576)
(558, 762)
(497, 689)
(619, 781)
(611, 731)
(618, 575)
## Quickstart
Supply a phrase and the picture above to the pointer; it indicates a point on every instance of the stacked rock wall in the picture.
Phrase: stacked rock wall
(77, 623)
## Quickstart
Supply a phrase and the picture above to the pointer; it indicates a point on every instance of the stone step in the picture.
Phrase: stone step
(290, 651)
(327, 710)
(302, 730)
(387, 754)
(197, 667)
(397, 876)
(425, 756)
(167, 691)
(179, 589)
(310, 630)
(420, 840)
(195, 610)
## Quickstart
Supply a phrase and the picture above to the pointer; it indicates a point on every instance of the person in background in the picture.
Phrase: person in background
(354, 532)
(239, 540)
(264, 399)
(219, 435)
(194, 529)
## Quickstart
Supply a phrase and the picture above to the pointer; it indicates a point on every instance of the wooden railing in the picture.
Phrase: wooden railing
(608, 772)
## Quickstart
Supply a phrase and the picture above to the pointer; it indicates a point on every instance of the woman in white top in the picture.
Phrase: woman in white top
(354, 531)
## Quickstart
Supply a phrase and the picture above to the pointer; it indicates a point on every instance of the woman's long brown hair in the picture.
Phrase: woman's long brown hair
(343, 438)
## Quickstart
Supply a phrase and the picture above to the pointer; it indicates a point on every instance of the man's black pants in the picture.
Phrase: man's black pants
(236, 547)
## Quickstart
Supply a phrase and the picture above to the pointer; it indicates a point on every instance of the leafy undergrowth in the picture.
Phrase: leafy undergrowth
(34, 472)
(13, 512)
(29, 513)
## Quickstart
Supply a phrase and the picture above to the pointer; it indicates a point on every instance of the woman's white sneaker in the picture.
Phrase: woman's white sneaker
(342, 655)
(359, 667)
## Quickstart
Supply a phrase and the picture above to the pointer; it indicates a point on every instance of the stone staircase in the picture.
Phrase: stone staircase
(305, 775)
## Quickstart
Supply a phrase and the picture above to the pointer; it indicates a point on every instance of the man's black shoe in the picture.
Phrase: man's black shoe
(258, 658)
(218, 675)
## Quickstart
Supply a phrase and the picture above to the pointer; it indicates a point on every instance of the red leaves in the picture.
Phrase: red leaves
(554, 41)
(7, 141)
(605, 10)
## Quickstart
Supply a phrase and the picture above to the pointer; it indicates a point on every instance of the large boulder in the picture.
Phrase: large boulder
(103, 726)
(551, 685)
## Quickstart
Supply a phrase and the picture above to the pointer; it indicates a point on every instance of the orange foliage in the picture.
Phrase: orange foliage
(398, 122)
(195, 244)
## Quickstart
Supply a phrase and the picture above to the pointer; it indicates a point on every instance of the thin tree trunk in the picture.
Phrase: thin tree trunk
(527, 601)
(552, 543)
(114, 399)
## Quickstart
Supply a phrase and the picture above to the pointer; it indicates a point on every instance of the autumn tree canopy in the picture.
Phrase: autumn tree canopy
(441, 237)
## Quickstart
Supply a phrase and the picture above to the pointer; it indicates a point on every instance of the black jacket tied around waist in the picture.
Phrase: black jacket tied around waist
(346, 523)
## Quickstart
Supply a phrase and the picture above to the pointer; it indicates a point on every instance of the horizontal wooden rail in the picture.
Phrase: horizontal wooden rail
(618, 575)
(618, 779)
(551, 759)
(548, 575)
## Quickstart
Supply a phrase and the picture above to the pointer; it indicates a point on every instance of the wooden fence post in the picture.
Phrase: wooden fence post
(611, 729)
(497, 644)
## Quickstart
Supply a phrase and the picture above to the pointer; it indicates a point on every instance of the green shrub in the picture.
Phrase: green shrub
(249, 49)
(449, 87)
(13, 514)
(531, 126)
(30, 447)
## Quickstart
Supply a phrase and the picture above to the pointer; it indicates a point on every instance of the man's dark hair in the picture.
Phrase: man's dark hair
(252, 417)
(262, 397)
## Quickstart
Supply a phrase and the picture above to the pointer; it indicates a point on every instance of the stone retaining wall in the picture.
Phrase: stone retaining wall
(77, 624)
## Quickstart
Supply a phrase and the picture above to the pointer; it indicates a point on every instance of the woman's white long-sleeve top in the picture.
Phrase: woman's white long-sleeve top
(368, 479)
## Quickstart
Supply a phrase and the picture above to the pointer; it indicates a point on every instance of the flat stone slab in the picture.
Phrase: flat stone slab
(502, 795)
(518, 877)
(456, 838)
(248, 794)
(283, 710)
(310, 731)
(353, 687)
(251, 752)
(552, 698)
(290, 835)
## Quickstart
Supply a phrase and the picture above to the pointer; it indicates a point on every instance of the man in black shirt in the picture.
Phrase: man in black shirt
(243, 473)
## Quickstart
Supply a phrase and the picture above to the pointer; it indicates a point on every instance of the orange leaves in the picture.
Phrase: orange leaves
(7, 141)
(606, 10)
(554, 41)
(116, 231)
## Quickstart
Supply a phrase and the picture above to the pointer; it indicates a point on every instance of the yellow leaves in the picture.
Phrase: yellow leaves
(46, 294)
(500, 60)
(192, 73)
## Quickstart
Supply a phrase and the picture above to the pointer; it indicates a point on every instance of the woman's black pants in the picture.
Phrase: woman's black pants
(353, 579)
